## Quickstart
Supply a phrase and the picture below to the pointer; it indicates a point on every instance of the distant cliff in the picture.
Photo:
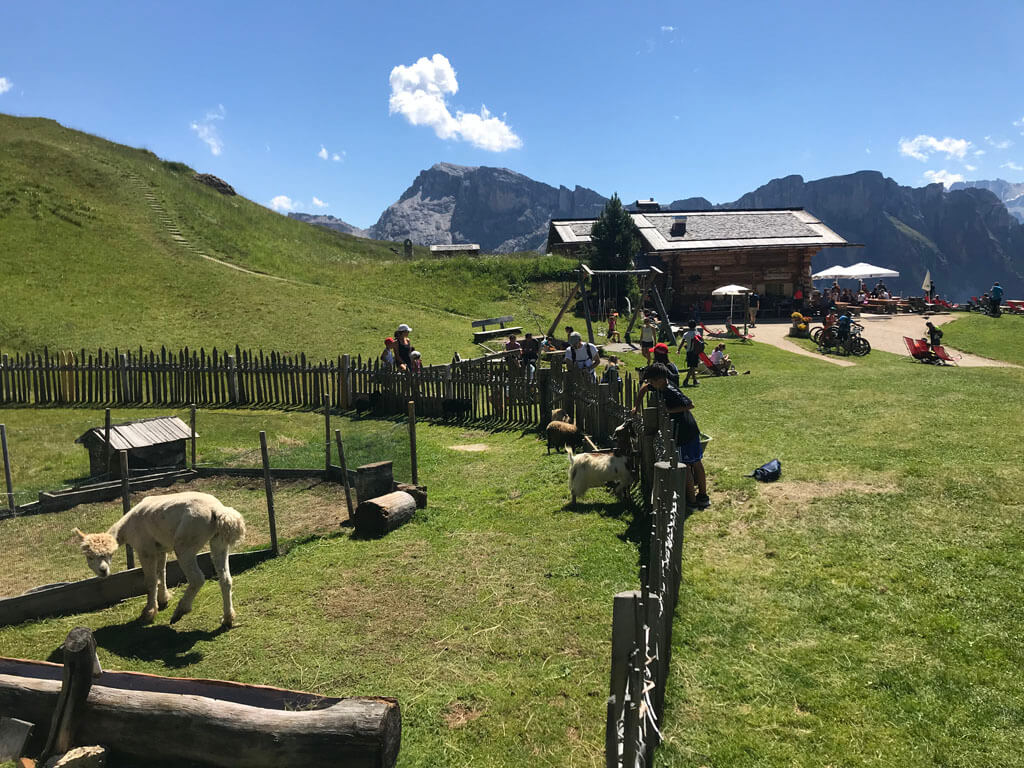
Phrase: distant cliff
(330, 222)
(502, 210)
(1011, 194)
(965, 237)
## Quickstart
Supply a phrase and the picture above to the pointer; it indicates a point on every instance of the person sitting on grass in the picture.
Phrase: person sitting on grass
(684, 430)
(720, 361)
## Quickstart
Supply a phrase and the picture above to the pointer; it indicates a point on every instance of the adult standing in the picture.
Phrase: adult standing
(648, 335)
(403, 347)
(934, 335)
(531, 353)
(755, 304)
(996, 298)
(582, 355)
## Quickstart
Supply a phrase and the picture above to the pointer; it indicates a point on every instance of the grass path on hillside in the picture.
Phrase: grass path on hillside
(999, 338)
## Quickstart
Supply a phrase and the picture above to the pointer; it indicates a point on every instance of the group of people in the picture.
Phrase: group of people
(399, 353)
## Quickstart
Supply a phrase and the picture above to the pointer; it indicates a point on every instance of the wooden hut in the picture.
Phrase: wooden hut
(767, 250)
(151, 444)
(455, 249)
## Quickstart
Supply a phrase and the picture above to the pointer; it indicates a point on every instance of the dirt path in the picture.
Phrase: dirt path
(885, 332)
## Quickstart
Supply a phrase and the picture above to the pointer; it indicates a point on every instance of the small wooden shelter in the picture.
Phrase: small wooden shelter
(456, 249)
(151, 444)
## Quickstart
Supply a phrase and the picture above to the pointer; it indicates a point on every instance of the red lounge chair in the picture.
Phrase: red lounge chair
(919, 350)
(710, 367)
(736, 333)
(942, 354)
(715, 334)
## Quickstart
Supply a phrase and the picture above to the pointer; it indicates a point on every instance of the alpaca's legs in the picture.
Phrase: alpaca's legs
(163, 597)
(221, 566)
(188, 563)
(148, 562)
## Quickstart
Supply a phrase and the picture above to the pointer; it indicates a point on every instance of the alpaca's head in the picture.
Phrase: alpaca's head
(98, 548)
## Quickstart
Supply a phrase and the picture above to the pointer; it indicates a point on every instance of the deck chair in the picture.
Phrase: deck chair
(708, 368)
(735, 332)
(713, 334)
(940, 352)
(920, 351)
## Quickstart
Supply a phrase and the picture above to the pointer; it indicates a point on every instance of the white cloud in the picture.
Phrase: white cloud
(1012, 166)
(1019, 123)
(418, 93)
(970, 167)
(920, 147)
(318, 203)
(322, 154)
(337, 157)
(979, 152)
(943, 177)
(5, 85)
(667, 28)
(206, 129)
(867, 150)
(283, 204)
(1002, 144)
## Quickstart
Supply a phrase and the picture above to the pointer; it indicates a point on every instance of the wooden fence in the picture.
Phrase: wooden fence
(642, 619)
(493, 387)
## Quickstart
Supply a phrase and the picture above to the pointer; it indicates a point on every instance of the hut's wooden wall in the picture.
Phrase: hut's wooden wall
(772, 272)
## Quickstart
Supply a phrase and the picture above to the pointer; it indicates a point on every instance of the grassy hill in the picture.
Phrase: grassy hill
(103, 245)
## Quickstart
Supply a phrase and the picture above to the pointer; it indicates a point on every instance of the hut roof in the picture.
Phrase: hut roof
(706, 230)
(141, 433)
(454, 247)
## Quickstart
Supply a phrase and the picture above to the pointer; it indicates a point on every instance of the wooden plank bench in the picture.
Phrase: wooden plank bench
(483, 334)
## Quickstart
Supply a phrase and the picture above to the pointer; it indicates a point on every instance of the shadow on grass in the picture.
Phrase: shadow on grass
(154, 642)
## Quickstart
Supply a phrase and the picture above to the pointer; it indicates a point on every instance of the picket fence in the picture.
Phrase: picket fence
(642, 619)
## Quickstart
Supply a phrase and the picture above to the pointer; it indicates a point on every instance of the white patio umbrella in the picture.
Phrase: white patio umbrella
(832, 273)
(731, 291)
(862, 270)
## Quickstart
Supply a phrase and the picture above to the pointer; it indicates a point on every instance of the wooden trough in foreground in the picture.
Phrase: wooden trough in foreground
(212, 722)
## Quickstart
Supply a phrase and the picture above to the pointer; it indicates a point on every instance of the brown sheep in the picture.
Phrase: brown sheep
(561, 434)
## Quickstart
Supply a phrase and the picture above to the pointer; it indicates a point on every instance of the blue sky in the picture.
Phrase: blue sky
(667, 100)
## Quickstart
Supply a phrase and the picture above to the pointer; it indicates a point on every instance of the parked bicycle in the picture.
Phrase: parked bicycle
(828, 341)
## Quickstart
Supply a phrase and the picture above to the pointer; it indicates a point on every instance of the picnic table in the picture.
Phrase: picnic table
(882, 306)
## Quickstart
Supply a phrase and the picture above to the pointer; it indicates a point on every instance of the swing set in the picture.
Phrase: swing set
(605, 283)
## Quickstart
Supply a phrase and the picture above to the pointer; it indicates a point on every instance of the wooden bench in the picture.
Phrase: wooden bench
(483, 334)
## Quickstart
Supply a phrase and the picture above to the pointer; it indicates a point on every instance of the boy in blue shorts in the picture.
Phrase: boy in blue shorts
(684, 430)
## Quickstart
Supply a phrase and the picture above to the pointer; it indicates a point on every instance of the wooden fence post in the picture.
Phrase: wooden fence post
(412, 442)
(544, 383)
(192, 427)
(126, 503)
(232, 366)
(344, 385)
(623, 641)
(327, 434)
(269, 485)
(650, 421)
(125, 394)
(80, 665)
(106, 439)
(344, 474)
(7, 468)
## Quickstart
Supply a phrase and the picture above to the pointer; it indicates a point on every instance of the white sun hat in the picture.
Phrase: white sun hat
(403, 327)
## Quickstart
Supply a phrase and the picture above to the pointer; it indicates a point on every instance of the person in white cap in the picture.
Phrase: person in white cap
(416, 363)
(582, 356)
(403, 347)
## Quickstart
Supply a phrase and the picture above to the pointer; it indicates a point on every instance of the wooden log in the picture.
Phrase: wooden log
(69, 713)
(177, 727)
(418, 492)
(375, 517)
(14, 735)
(412, 442)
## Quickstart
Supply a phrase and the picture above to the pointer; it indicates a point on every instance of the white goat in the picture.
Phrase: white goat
(593, 470)
(178, 522)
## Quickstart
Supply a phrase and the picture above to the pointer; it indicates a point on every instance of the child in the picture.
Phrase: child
(613, 318)
(387, 357)
(694, 343)
(415, 363)
(611, 371)
(684, 430)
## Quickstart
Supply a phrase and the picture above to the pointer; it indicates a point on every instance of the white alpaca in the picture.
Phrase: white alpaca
(178, 522)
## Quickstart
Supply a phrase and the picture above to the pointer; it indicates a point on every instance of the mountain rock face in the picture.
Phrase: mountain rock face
(501, 210)
(1011, 194)
(966, 237)
(330, 222)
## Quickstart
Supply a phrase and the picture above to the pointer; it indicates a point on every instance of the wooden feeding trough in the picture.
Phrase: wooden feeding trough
(210, 722)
